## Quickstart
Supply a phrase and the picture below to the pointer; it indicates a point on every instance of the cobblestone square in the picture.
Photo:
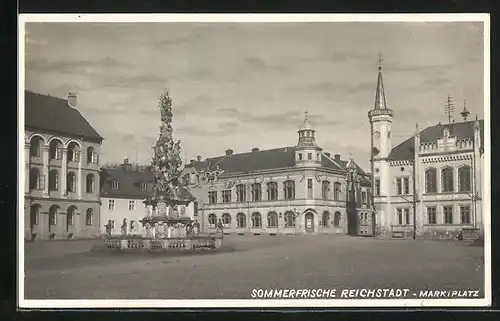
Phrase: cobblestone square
(83, 270)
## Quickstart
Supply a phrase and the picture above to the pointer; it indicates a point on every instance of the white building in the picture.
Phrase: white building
(430, 184)
(123, 190)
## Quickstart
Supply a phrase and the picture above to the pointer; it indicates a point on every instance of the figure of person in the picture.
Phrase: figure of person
(220, 227)
(124, 227)
(108, 228)
(196, 228)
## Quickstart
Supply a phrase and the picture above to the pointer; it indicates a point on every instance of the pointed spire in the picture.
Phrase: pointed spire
(305, 124)
(465, 113)
(380, 94)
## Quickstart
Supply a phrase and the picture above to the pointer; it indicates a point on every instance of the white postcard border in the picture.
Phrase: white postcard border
(254, 18)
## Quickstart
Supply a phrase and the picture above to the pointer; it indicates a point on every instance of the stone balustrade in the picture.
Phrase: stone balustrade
(166, 244)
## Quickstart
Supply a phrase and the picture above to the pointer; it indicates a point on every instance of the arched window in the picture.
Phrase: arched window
(73, 152)
(256, 192)
(226, 220)
(241, 220)
(256, 220)
(272, 191)
(325, 188)
(89, 217)
(289, 189)
(272, 219)
(53, 212)
(90, 183)
(212, 220)
(35, 214)
(70, 216)
(55, 149)
(71, 182)
(447, 179)
(240, 193)
(90, 155)
(336, 191)
(36, 144)
(431, 180)
(54, 180)
(336, 219)
(289, 219)
(464, 179)
(325, 219)
(34, 178)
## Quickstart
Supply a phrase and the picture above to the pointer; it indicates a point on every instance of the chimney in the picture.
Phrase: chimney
(72, 100)
(337, 157)
(327, 154)
(198, 158)
(229, 152)
(255, 149)
(126, 166)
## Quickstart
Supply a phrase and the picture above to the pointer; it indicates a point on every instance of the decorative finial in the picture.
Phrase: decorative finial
(380, 60)
(465, 113)
(305, 118)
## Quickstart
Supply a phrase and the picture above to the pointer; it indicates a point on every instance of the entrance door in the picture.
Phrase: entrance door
(309, 220)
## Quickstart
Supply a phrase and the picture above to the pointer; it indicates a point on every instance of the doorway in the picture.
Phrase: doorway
(309, 222)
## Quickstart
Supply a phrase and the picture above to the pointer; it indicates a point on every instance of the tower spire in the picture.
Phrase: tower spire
(465, 113)
(380, 94)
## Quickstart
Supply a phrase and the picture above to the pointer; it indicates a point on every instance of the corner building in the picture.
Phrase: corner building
(61, 188)
(430, 184)
(289, 190)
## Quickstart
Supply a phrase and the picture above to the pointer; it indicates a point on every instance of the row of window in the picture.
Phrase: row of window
(309, 156)
(447, 181)
(54, 212)
(37, 181)
(272, 220)
(272, 192)
(116, 186)
(131, 205)
(56, 151)
(403, 216)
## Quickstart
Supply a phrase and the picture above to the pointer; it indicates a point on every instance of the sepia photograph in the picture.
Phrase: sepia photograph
(248, 160)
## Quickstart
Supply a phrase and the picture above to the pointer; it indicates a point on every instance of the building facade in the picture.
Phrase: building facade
(62, 170)
(430, 184)
(288, 190)
(123, 191)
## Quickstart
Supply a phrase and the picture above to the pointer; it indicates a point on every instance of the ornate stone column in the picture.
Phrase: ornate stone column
(46, 149)
(64, 172)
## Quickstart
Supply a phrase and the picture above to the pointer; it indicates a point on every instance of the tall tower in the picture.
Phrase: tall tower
(307, 153)
(380, 118)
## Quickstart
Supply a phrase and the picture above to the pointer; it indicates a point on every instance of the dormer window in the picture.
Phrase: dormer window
(115, 185)
(144, 187)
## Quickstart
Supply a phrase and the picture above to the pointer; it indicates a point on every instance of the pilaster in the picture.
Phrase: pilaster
(79, 178)
(27, 161)
(46, 149)
(64, 172)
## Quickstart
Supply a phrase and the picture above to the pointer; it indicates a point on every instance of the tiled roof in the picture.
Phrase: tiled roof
(129, 184)
(277, 158)
(52, 114)
(404, 151)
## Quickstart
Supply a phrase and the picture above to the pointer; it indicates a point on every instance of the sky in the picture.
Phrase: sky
(246, 85)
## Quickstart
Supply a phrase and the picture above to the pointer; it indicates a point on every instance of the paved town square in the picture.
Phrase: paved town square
(84, 270)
